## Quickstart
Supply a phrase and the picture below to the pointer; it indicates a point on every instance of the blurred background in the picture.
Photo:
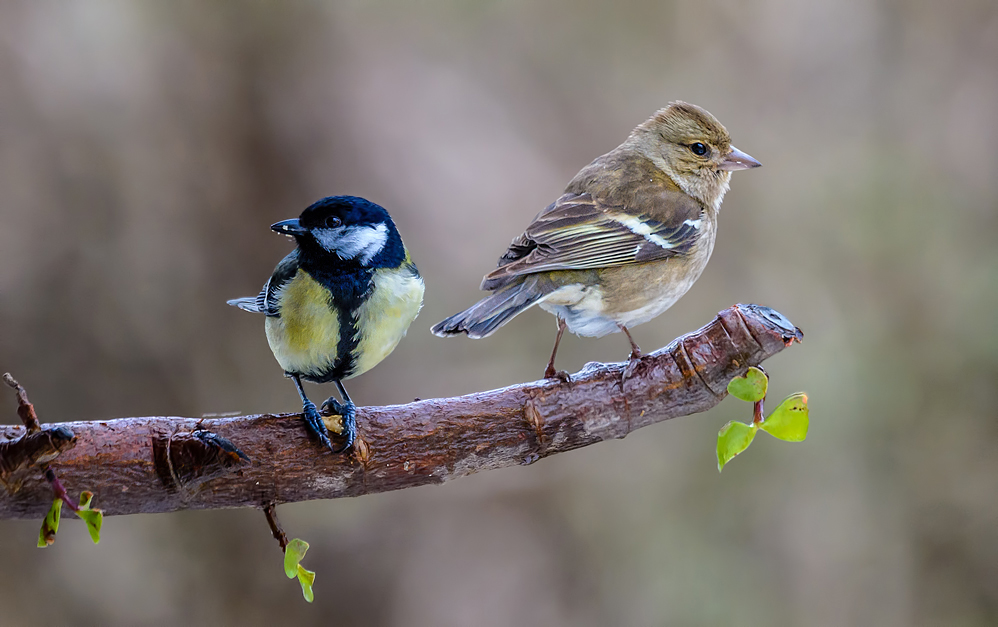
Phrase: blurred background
(146, 147)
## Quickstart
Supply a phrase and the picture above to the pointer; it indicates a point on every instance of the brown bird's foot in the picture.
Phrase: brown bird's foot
(635, 358)
(631, 368)
(550, 372)
(561, 375)
(635, 349)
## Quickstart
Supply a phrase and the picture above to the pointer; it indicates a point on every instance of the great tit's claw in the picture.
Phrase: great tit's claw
(348, 413)
(331, 407)
(315, 425)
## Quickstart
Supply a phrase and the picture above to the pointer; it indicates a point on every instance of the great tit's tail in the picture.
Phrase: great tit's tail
(484, 317)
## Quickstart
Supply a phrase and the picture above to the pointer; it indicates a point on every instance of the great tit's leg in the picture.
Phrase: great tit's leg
(347, 411)
(635, 358)
(313, 421)
(550, 372)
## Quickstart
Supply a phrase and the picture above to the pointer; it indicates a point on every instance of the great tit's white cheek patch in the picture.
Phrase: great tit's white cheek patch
(329, 238)
(354, 242)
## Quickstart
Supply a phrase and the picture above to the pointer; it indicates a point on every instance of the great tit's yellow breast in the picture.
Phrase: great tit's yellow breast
(305, 335)
(384, 318)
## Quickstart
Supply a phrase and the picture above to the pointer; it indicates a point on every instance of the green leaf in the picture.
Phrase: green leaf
(751, 388)
(94, 519)
(306, 578)
(50, 525)
(293, 553)
(732, 439)
(789, 421)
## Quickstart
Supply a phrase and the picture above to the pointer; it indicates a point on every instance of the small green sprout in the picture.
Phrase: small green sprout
(50, 525)
(788, 422)
(293, 555)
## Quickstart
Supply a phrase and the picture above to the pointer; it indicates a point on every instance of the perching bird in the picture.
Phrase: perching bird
(340, 302)
(630, 235)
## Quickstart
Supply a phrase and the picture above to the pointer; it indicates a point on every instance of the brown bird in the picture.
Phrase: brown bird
(630, 235)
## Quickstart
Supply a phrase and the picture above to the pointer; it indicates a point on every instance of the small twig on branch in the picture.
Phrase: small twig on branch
(59, 490)
(36, 447)
(758, 408)
(132, 461)
(25, 410)
(270, 511)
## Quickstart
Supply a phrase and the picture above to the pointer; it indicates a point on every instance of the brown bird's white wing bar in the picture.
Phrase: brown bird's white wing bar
(578, 233)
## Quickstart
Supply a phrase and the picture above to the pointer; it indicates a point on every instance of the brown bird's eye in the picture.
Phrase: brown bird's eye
(698, 149)
(332, 222)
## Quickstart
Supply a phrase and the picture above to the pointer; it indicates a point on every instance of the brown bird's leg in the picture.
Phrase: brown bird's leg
(550, 372)
(634, 359)
(635, 351)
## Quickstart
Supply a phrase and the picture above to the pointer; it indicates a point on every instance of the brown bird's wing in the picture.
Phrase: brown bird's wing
(579, 233)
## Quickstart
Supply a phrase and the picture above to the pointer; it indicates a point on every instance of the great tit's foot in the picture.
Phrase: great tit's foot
(315, 425)
(561, 375)
(348, 413)
(332, 407)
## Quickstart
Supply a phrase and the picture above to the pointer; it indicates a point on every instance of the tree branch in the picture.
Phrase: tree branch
(163, 464)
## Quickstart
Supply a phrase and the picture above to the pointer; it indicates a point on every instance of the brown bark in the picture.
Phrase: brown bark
(162, 464)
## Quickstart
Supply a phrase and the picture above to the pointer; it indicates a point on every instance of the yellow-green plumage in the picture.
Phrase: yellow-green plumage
(306, 335)
(339, 303)
(384, 317)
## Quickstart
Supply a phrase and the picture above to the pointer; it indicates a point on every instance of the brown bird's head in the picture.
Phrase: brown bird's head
(693, 148)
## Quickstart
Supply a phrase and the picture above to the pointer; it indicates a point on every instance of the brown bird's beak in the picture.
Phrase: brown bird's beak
(738, 160)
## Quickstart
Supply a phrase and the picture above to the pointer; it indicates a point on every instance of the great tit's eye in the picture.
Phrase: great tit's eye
(698, 149)
(333, 221)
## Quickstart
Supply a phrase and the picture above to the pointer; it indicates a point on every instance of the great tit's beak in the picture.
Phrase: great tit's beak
(738, 160)
(289, 227)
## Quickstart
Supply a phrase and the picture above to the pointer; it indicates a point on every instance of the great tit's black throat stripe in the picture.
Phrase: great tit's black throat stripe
(345, 349)
(347, 292)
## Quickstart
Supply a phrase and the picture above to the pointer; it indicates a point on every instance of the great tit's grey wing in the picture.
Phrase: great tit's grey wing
(579, 233)
(266, 301)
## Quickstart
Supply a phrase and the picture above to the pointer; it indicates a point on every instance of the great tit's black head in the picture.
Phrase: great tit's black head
(351, 229)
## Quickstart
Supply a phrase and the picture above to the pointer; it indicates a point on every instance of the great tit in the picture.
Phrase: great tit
(630, 235)
(339, 303)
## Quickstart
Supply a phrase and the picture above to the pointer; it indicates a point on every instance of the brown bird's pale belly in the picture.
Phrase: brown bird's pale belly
(626, 295)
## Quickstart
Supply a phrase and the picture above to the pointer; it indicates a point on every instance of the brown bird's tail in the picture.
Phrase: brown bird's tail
(484, 317)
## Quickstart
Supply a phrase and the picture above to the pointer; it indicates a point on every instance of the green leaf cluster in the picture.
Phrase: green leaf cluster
(293, 554)
(93, 518)
(788, 422)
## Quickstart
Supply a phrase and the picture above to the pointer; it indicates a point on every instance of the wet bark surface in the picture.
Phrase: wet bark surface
(162, 464)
